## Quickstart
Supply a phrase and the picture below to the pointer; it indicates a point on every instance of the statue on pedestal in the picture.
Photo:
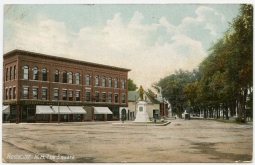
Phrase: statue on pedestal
(141, 92)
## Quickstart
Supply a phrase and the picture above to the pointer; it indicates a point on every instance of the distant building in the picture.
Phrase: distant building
(153, 107)
(39, 87)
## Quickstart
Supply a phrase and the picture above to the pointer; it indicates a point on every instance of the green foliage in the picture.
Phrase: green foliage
(131, 85)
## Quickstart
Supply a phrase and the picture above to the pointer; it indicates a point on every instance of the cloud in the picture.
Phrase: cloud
(151, 51)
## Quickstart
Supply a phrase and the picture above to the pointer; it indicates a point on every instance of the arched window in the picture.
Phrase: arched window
(97, 81)
(6, 74)
(25, 72)
(56, 76)
(87, 79)
(64, 77)
(10, 73)
(110, 82)
(116, 83)
(70, 77)
(44, 74)
(77, 78)
(15, 72)
(123, 83)
(35, 73)
(103, 82)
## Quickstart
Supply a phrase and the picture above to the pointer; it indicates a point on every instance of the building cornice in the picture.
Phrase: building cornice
(63, 59)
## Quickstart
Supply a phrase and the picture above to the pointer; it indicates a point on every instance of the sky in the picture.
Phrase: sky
(153, 40)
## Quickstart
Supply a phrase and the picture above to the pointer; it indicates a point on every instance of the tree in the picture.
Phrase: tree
(131, 85)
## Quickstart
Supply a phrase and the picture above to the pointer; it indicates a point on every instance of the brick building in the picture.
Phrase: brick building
(45, 88)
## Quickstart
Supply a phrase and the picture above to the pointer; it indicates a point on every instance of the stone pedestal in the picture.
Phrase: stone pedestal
(142, 115)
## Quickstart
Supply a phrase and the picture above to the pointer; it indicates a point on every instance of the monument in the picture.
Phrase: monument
(141, 115)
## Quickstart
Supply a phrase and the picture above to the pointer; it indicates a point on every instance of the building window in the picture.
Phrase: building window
(35, 93)
(110, 82)
(55, 94)
(78, 96)
(64, 93)
(44, 93)
(103, 82)
(103, 97)
(15, 72)
(97, 97)
(87, 79)
(6, 94)
(10, 73)
(77, 78)
(123, 84)
(70, 77)
(25, 72)
(35, 73)
(70, 95)
(97, 81)
(44, 74)
(109, 97)
(10, 93)
(14, 92)
(116, 98)
(6, 74)
(116, 83)
(87, 96)
(64, 77)
(123, 98)
(56, 76)
(25, 92)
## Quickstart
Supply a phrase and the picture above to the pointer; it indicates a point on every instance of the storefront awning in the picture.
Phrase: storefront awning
(42, 109)
(62, 110)
(102, 110)
(77, 110)
(6, 110)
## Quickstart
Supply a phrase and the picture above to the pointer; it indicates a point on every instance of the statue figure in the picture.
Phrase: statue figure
(141, 92)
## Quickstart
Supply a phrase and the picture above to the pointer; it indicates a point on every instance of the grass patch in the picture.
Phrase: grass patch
(223, 121)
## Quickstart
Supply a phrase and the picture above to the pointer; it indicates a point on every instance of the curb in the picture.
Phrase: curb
(137, 124)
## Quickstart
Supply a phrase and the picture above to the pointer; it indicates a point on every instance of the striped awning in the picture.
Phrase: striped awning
(77, 110)
(6, 110)
(102, 110)
(42, 109)
(62, 110)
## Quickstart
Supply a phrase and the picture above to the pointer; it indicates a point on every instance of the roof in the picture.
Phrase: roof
(134, 95)
(13, 52)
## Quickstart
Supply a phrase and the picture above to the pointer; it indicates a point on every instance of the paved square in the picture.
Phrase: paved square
(181, 141)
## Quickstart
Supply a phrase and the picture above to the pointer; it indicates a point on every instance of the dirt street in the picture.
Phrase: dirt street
(180, 141)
